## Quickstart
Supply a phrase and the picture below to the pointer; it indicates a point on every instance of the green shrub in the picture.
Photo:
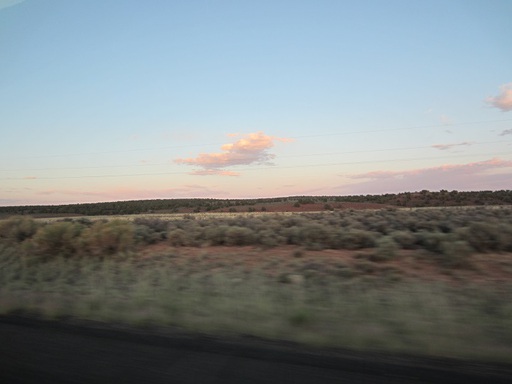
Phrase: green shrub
(150, 230)
(269, 239)
(358, 239)
(456, 253)
(293, 235)
(58, 239)
(315, 233)
(177, 237)
(17, 229)
(484, 236)
(146, 235)
(216, 234)
(107, 238)
(404, 239)
(431, 241)
(386, 249)
(239, 236)
(506, 238)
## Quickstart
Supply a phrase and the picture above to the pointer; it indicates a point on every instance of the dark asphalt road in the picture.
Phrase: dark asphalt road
(33, 351)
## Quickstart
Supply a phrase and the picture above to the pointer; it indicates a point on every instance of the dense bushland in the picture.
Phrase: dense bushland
(423, 198)
(110, 271)
(453, 232)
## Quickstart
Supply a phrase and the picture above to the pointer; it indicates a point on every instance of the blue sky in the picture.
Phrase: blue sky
(117, 100)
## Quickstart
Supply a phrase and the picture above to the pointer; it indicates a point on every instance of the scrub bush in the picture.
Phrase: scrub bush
(149, 230)
(157, 225)
(269, 239)
(17, 229)
(107, 238)
(239, 236)
(484, 236)
(456, 254)
(146, 235)
(58, 239)
(293, 235)
(216, 234)
(431, 241)
(315, 233)
(386, 249)
(404, 239)
(177, 237)
(358, 239)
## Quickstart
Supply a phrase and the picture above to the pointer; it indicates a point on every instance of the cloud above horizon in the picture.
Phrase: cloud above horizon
(252, 148)
(443, 147)
(9, 3)
(502, 101)
(489, 174)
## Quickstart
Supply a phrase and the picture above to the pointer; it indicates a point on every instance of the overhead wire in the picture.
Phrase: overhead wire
(327, 134)
(282, 157)
(259, 168)
(252, 168)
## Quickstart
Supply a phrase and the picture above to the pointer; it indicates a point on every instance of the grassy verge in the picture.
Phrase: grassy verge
(348, 306)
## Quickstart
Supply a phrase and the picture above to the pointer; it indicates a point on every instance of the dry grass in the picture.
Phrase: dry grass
(322, 298)
(428, 300)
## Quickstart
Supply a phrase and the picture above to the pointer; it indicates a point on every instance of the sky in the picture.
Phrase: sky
(109, 100)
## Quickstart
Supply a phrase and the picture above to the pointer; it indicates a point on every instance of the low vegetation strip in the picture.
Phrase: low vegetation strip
(432, 282)
(453, 233)
(423, 198)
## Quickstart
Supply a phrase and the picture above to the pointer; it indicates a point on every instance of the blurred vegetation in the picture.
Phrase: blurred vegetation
(110, 270)
(307, 302)
(452, 232)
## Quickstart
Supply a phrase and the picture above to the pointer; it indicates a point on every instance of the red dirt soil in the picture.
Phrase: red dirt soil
(494, 269)
(290, 207)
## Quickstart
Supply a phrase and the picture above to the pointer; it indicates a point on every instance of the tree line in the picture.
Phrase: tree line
(422, 198)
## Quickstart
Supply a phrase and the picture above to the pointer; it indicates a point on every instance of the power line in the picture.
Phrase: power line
(253, 168)
(292, 137)
(404, 128)
(375, 161)
(281, 157)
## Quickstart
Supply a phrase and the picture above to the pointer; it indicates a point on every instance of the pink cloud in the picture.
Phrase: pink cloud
(491, 174)
(504, 100)
(250, 149)
(442, 147)
(210, 172)
(476, 167)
